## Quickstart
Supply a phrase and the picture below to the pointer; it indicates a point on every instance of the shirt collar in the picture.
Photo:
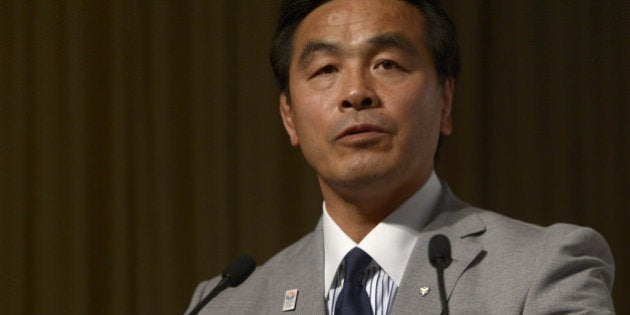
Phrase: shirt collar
(390, 243)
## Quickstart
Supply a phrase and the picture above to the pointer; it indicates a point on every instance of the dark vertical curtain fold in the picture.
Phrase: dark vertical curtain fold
(141, 147)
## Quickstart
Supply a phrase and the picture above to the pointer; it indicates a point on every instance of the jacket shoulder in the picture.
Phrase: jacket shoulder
(293, 253)
(253, 295)
(561, 268)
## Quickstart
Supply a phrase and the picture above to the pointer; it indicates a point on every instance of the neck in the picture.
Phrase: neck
(357, 210)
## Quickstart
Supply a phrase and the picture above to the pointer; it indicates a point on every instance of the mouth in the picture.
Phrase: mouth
(360, 130)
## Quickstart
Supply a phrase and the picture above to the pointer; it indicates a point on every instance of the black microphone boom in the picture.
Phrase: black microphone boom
(233, 275)
(440, 258)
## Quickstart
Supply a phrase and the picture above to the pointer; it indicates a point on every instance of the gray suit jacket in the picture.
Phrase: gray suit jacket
(500, 266)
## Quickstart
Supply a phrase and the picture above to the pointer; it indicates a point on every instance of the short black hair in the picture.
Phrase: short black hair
(439, 37)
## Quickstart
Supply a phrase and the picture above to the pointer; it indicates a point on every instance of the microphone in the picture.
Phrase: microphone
(440, 258)
(233, 275)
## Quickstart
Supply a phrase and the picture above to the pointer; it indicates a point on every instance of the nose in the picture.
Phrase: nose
(357, 92)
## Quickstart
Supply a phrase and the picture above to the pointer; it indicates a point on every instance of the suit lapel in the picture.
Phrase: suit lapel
(460, 227)
(304, 271)
(456, 220)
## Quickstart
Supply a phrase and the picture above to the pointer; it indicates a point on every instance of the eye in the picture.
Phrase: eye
(387, 65)
(328, 69)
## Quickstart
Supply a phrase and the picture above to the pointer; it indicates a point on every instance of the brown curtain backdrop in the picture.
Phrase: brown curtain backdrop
(141, 148)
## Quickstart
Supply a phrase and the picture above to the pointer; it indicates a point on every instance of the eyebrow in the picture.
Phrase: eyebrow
(313, 47)
(392, 40)
(386, 40)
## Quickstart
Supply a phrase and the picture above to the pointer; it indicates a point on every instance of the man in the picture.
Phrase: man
(366, 92)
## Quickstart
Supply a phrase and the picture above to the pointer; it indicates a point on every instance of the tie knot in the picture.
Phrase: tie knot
(356, 262)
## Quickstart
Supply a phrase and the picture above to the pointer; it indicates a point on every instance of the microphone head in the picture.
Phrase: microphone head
(239, 269)
(440, 251)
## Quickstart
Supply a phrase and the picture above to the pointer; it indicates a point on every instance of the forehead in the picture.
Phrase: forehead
(351, 22)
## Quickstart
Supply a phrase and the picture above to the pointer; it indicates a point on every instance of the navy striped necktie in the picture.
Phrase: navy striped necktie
(353, 299)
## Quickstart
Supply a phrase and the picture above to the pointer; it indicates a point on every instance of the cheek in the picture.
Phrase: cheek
(313, 109)
(310, 123)
(419, 117)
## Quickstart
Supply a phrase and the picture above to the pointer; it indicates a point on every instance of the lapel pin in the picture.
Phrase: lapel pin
(290, 300)
(424, 291)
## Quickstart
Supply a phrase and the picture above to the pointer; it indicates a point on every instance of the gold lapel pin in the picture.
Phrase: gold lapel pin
(424, 291)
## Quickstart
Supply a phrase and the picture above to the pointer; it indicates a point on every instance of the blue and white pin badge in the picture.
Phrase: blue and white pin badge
(290, 300)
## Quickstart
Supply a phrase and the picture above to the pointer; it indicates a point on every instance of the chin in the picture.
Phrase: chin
(364, 174)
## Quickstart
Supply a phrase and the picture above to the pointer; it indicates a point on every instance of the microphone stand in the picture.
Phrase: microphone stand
(440, 275)
(233, 275)
(440, 258)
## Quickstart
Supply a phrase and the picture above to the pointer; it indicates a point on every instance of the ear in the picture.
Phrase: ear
(446, 124)
(286, 112)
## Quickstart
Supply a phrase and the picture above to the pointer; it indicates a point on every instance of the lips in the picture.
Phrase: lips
(359, 129)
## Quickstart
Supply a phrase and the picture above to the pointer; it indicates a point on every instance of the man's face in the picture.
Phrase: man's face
(366, 106)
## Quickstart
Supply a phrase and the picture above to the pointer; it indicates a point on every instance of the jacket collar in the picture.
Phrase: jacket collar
(453, 218)
(303, 270)
(461, 224)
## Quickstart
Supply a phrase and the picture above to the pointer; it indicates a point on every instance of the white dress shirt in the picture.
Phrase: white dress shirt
(390, 244)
